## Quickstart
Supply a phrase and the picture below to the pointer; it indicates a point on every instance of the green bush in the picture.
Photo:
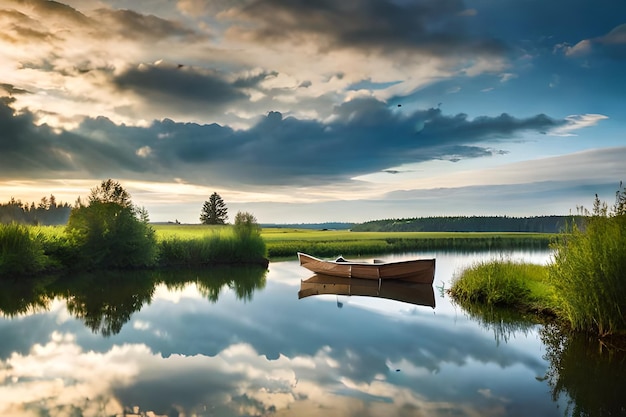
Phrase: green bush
(110, 231)
(246, 226)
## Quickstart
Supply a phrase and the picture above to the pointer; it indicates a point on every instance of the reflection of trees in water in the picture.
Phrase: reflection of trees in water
(243, 280)
(106, 300)
(590, 373)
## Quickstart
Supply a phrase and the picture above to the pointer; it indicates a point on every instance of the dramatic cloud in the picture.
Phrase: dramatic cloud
(253, 95)
(434, 27)
(363, 136)
(177, 85)
(131, 24)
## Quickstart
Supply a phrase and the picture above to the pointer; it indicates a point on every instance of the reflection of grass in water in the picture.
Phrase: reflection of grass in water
(502, 321)
(488, 290)
(24, 296)
(592, 373)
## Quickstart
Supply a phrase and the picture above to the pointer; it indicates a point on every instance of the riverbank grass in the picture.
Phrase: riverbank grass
(33, 250)
(503, 283)
(240, 243)
(589, 274)
(21, 250)
(584, 284)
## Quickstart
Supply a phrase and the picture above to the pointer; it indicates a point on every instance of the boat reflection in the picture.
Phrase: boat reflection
(399, 290)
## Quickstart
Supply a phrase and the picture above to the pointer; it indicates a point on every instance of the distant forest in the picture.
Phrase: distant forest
(540, 224)
(47, 212)
(318, 226)
(50, 212)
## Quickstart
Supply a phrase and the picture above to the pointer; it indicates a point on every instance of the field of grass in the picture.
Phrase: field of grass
(188, 231)
(278, 234)
(286, 242)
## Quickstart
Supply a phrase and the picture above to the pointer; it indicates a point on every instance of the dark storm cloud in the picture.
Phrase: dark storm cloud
(437, 27)
(180, 86)
(24, 146)
(39, 152)
(130, 24)
(364, 137)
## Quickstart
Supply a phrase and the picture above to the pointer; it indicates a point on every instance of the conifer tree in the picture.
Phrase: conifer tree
(214, 210)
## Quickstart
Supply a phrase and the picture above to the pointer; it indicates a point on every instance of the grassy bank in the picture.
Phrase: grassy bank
(584, 285)
(217, 244)
(594, 306)
(33, 250)
(505, 283)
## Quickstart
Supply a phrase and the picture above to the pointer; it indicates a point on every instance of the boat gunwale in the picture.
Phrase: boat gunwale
(372, 264)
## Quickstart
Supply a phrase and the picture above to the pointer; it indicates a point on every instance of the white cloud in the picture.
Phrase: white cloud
(576, 122)
(144, 151)
(581, 48)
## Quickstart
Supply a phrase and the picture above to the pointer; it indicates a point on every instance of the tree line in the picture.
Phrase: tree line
(538, 224)
(108, 231)
(47, 212)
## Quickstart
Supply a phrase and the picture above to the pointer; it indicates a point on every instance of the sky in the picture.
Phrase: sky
(306, 111)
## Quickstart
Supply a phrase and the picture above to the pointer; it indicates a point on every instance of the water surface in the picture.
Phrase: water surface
(234, 343)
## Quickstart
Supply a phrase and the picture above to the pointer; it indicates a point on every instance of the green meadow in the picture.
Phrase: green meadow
(286, 242)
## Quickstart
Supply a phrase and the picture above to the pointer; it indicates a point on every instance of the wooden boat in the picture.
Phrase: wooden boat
(405, 291)
(417, 270)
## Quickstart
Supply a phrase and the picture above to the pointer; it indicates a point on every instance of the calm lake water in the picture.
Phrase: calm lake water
(240, 343)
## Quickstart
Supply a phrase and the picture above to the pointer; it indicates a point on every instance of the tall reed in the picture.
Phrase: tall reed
(589, 274)
(21, 252)
(221, 246)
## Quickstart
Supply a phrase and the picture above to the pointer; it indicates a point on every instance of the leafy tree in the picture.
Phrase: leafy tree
(246, 226)
(250, 245)
(110, 191)
(110, 231)
(214, 210)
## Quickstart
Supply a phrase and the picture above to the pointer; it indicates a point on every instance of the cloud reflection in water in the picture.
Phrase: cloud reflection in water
(274, 354)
